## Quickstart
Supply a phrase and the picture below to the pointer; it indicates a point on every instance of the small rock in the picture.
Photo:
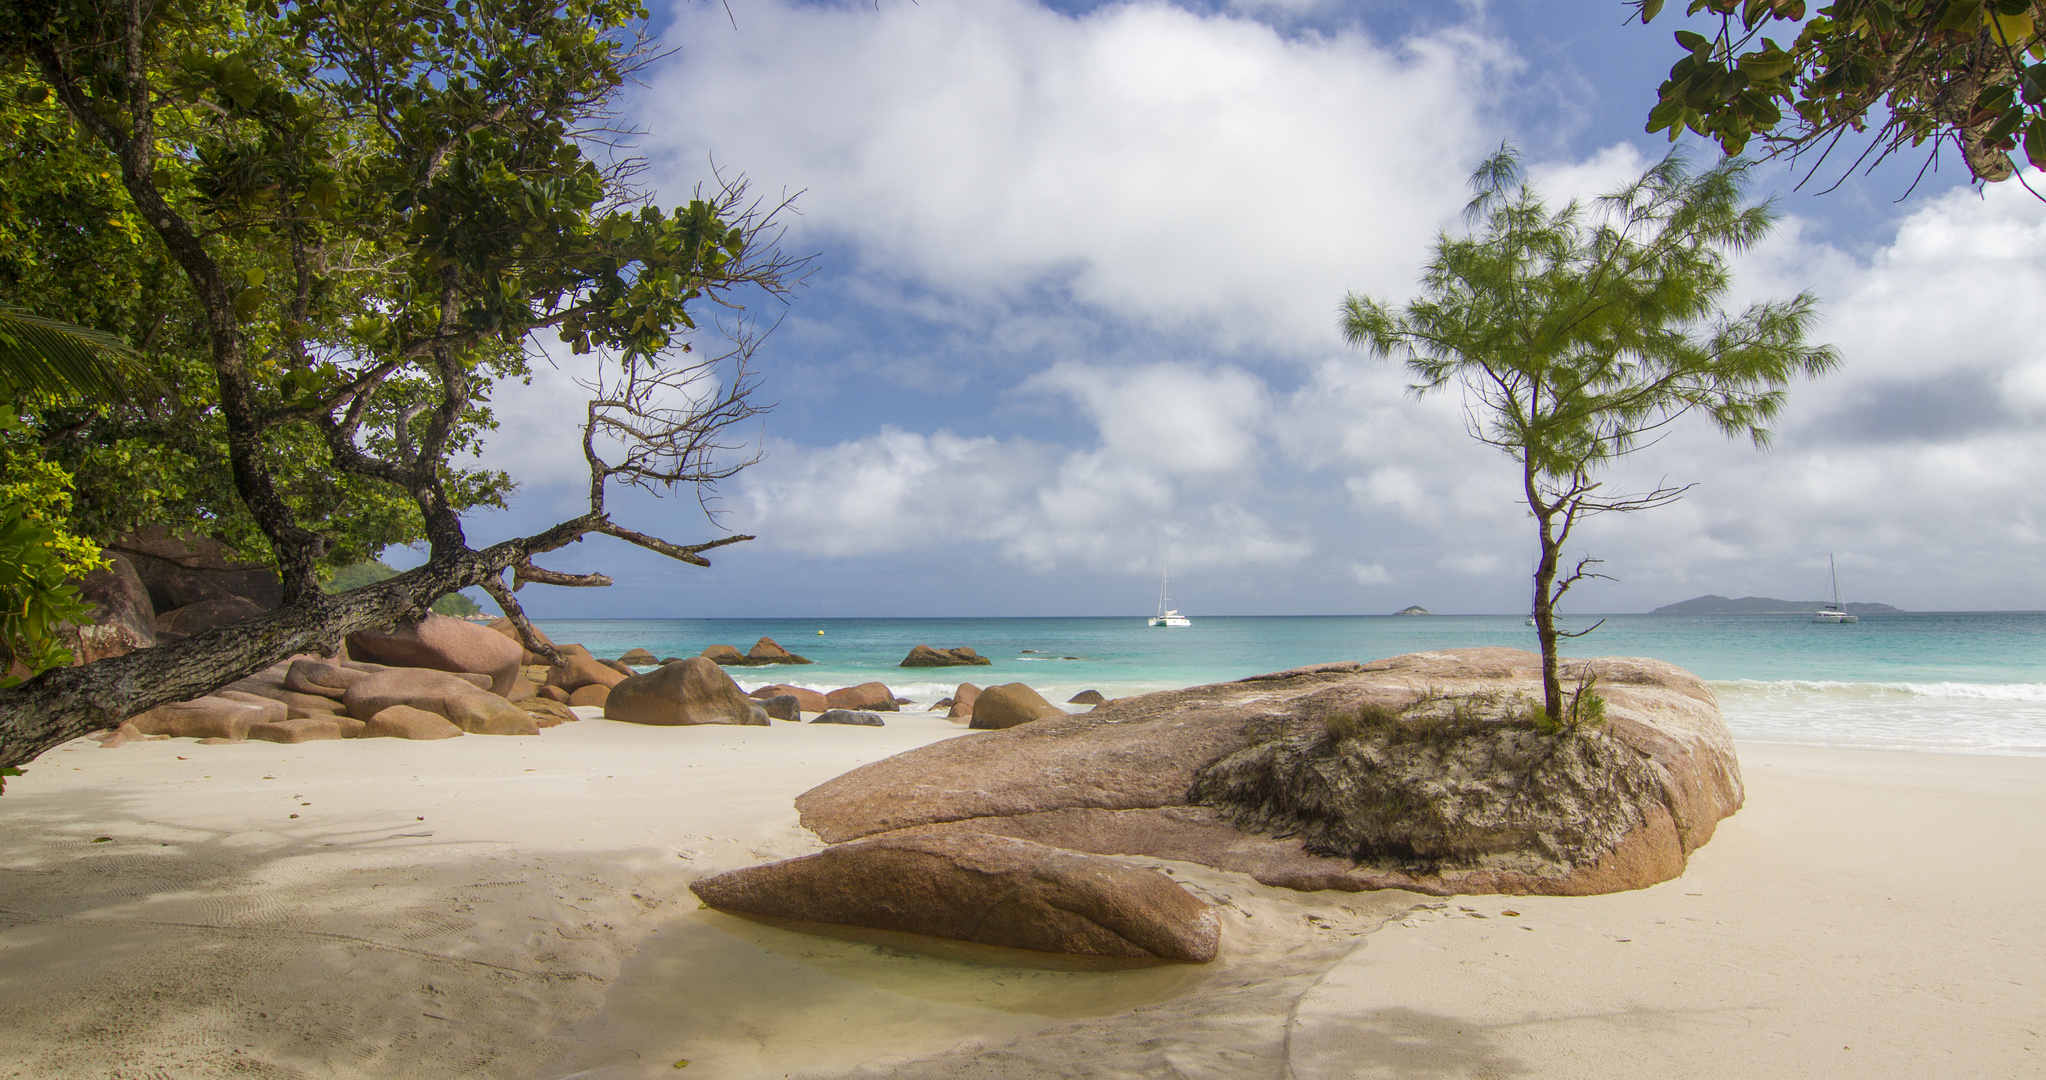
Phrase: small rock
(1010, 704)
(962, 701)
(782, 707)
(809, 700)
(849, 716)
(549, 713)
(1087, 697)
(637, 658)
(872, 696)
(594, 694)
(406, 722)
(927, 656)
(766, 651)
(298, 731)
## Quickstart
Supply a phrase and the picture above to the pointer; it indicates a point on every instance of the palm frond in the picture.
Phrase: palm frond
(46, 356)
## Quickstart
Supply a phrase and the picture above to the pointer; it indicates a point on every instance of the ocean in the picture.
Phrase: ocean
(1945, 682)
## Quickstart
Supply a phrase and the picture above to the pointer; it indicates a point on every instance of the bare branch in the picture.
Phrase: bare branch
(528, 636)
(690, 553)
(526, 571)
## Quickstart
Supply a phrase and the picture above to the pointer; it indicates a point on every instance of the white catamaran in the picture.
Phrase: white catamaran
(1833, 612)
(1167, 616)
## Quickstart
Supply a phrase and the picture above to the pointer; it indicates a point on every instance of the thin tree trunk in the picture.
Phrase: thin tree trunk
(1544, 596)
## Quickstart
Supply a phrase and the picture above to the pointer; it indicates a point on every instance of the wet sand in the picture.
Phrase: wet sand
(515, 907)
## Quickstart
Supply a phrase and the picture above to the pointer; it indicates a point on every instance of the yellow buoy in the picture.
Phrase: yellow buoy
(820, 633)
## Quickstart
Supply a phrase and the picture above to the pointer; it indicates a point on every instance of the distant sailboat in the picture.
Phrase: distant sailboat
(1833, 612)
(1167, 616)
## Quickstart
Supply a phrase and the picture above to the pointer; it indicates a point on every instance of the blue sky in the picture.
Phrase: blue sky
(1074, 310)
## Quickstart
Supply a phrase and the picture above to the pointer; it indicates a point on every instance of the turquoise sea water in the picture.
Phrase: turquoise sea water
(1967, 682)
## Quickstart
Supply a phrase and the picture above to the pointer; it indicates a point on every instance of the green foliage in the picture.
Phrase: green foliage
(385, 203)
(1970, 72)
(147, 443)
(369, 573)
(46, 357)
(1577, 332)
(34, 599)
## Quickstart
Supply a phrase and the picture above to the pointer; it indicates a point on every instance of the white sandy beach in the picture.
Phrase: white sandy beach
(514, 907)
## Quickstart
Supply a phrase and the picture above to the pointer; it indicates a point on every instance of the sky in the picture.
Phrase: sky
(1072, 315)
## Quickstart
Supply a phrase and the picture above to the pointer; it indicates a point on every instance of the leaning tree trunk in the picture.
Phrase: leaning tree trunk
(64, 703)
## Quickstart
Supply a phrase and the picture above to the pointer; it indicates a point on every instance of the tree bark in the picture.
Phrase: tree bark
(1544, 594)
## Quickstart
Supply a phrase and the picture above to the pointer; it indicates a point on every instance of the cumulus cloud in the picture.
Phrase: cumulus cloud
(1173, 472)
(1001, 170)
(1162, 165)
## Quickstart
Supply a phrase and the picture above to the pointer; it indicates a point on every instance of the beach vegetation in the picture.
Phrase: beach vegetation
(43, 362)
(329, 230)
(369, 573)
(1449, 781)
(1578, 334)
(1970, 74)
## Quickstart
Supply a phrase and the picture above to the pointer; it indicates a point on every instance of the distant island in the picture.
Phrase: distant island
(1415, 610)
(1761, 605)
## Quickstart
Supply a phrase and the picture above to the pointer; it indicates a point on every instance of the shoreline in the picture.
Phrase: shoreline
(537, 922)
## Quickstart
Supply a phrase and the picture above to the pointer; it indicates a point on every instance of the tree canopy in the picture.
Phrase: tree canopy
(1963, 72)
(330, 228)
(1578, 332)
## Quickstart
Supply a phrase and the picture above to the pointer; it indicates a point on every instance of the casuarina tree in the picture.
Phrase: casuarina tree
(1578, 332)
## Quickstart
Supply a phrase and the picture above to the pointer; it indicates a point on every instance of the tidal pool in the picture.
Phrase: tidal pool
(737, 997)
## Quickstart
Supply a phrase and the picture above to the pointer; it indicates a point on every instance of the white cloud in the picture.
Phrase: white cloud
(1172, 167)
(1171, 418)
(1173, 472)
(1474, 564)
(1370, 574)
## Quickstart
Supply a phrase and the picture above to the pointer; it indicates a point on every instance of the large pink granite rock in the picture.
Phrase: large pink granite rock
(987, 889)
(686, 692)
(445, 694)
(511, 633)
(179, 571)
(123, 619)
(1123, 779)
(216, 716)
(579, 669)
(444, 643)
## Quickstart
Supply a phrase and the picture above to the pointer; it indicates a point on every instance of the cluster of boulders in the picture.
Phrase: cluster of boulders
(764, 651)
(1009, 705)
(1431, 772)
(434, 679)
(860, 705)
(159, 587)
